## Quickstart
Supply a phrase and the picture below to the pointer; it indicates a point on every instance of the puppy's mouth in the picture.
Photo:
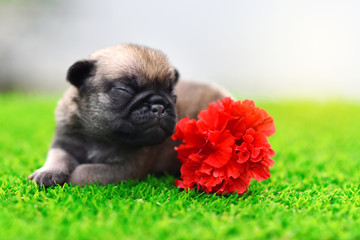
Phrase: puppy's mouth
(154, 116)
(149, 134)
(147, 112)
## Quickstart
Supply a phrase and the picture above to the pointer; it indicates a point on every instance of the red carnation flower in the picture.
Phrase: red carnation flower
(225, 148)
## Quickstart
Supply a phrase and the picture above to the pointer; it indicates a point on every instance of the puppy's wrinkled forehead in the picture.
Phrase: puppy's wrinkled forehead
(145, 64)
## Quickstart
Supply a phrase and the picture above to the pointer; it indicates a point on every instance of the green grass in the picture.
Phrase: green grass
(313, 192)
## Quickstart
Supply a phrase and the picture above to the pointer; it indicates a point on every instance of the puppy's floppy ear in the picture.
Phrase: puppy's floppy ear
(177, 75)
(79, 71)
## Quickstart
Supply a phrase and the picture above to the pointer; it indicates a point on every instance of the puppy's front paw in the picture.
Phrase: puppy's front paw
(49, 178)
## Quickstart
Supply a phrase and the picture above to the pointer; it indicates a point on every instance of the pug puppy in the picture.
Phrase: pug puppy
(115, 121)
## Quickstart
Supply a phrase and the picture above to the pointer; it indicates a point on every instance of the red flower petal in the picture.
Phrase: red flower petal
(222, 150)
(206, 169)
(180, 184)
(213, 119)
(233, 169)
(259, 172)
(180, 127)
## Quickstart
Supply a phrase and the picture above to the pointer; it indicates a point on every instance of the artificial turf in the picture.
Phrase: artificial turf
(313, 192)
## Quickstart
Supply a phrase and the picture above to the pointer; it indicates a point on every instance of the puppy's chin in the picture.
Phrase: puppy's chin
(149, 137)
(147, 133)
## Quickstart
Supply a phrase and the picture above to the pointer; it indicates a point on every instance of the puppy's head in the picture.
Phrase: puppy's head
(126, 94)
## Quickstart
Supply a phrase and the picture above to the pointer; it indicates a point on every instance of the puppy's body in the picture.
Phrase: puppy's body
(115, 122)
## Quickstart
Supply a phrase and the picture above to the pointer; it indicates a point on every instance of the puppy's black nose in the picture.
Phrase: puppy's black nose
(158, 110)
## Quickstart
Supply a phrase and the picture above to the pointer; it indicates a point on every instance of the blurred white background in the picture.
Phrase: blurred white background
(256, 49)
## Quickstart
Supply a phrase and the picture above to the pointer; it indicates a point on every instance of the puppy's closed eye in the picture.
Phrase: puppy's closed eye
(124, 89)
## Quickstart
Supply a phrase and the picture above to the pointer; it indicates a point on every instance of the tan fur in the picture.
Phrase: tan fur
(133, 60)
